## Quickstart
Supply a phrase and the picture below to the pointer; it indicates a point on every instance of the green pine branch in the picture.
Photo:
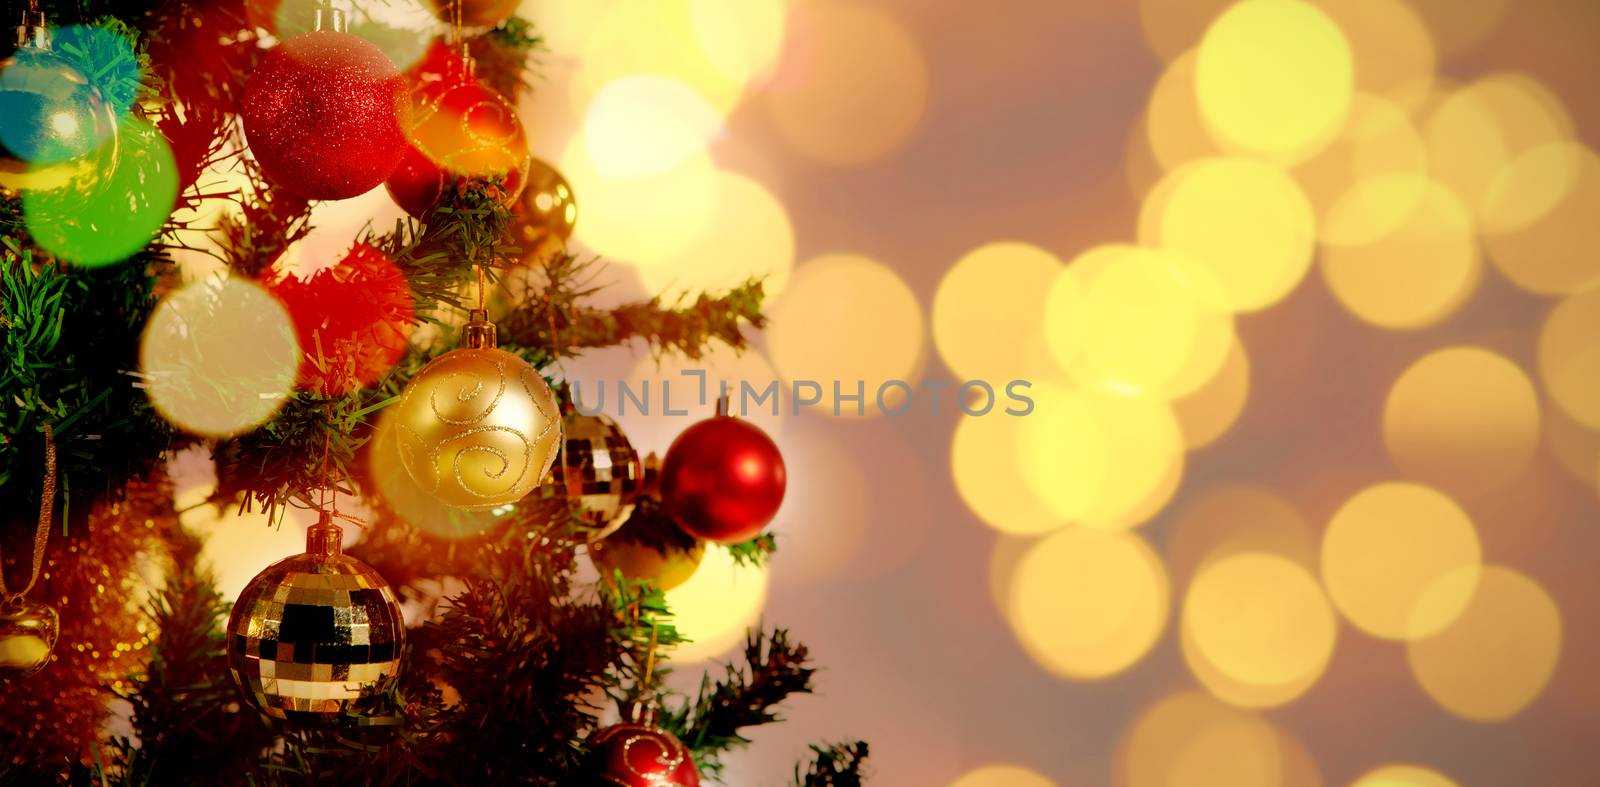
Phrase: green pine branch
(774, 669)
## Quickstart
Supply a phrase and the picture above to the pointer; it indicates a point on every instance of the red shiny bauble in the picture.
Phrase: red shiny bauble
(352, 320)
(634, 755)
(326, 114)
(722, 480)
(462, 132)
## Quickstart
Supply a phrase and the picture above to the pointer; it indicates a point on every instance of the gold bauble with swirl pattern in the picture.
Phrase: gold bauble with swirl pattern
(478, 427)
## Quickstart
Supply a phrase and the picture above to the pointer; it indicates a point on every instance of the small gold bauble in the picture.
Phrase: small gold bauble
(637, 561)
(28, 632)
(477, 427)
(551, 209)
(315, 636)
(599, 472)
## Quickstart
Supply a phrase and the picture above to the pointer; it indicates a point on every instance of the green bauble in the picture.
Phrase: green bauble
(56, 130)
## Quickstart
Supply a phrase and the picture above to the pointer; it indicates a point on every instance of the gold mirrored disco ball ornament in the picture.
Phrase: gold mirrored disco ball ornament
(599, 472)
(477, 427)
(56, 130)
(316, 637)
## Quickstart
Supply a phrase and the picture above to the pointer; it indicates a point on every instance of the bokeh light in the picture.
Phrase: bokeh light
(681, 125)
(750, 237)
(1088, 604)
(827, 510)
(742, 38)
(1576, 447)
(1390, 47)
(1543, 235)
(218, 357)
(1002, 287)
(1378, 140)
(1132, 321)
(984, 458)
(816, 328)
(1174, 130)
(1476, 131)
(851, 86)
(1415, 273)
(1102, 459)
(1458, 26)
(121, 215)
(659, 37)
(1003, 776)
(565, 27)
(1499, 653)
(1172, 27)
(641, 220)
(1284, 100)
(1192, 739)
(1257, 630)
(1390, 544)
(1466, 444)
(1402, 776)
(1244, 220)
(1205, 415)
(236, 545)
(1233, 519)
(1569, 356)
(716, 606)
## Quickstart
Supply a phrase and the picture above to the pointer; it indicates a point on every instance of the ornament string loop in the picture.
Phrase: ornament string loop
(47, 505)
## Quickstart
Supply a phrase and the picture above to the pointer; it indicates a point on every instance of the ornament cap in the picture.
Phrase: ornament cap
(479, 333)
(32, 32)
(331, 19)
(651, 482)
(642, 712)
(325, 538)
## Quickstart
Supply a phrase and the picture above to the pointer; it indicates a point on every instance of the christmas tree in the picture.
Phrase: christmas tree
(127, 130)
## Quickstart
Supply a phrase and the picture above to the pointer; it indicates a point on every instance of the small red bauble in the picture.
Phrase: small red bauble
(635, 755)
(463, 131)
(325, 114)
(722, 480)
(352, 320)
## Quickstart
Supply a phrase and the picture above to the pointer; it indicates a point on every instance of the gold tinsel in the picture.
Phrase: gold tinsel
(92, 577)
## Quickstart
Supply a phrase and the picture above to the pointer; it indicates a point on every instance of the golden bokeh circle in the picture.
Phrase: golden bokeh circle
(1257, 630)
(1087, 604)
(1390, 45)
(1232, 519)
(1569, 356)
(1244, 220)
(1500, 652)
(751, 236)
(1386, 547)
(1193, 739)
(1205, 415)
(218, 357)
(1100, 458)
(1175, 132)
(716, 606)
(1543, 236)
(1402, 776)
(1378, 139)
(1418, 272)
(1003, 776)
(831, 302)
(660, 39)
(644, 219)
(852, 84)
(984, 463)
(1467, 444)
(1003, 287)
(1172, 27)
(1474, 132)
(1285, 100)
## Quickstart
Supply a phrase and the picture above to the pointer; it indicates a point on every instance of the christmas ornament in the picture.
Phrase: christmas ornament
(549, 207)
(325, 114)
(722, 479)
(598, 471)
(474, 13)
(387, 481)
(56, 130)
(461, 132)
(637, 753)
(353, 320)
(28, 630)
(665, 566)
(478, 427)
(315, 637)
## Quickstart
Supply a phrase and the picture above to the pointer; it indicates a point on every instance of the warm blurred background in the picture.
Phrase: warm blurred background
(1307, 291)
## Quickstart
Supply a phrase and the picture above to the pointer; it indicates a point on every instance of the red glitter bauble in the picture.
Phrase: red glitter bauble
(463, 132)
(325, 114)
(352, 320)
(635, 755)
(722, 480)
